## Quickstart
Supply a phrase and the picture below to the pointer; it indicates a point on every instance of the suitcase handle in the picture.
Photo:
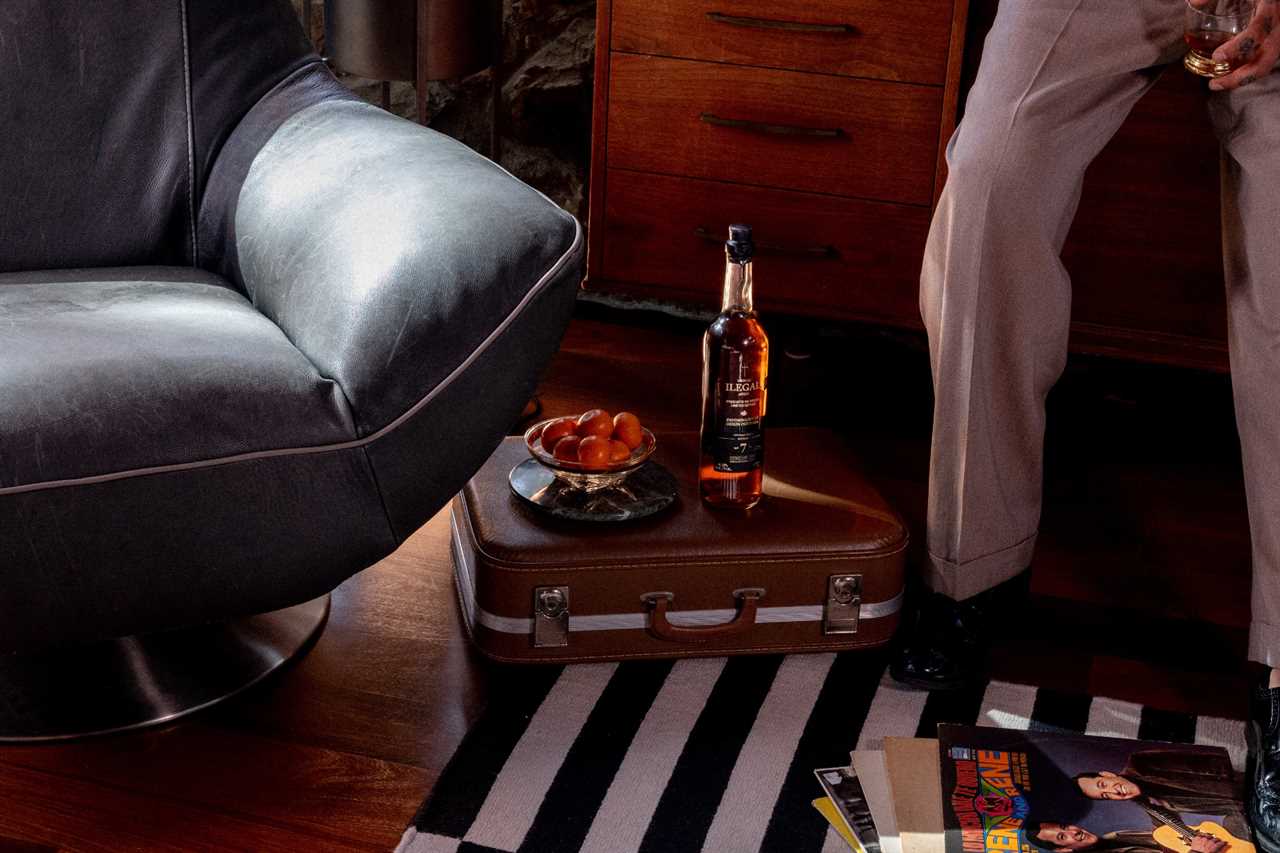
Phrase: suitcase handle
(659, 603)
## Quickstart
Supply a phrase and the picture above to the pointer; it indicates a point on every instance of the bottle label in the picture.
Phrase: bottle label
(739, 442)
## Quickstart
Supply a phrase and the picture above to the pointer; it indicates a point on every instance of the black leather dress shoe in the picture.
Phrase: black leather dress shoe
(946, 648)
(1264, 770)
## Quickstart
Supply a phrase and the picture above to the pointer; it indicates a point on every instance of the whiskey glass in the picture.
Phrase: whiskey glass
(1209, 26)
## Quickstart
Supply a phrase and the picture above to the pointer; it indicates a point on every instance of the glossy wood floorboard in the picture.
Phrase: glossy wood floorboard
(1140, 592)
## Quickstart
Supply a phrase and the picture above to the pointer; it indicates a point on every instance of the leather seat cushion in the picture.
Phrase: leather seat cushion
(108, 371)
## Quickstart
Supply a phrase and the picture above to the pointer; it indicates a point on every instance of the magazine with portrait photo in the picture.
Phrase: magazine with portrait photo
(1009, 791)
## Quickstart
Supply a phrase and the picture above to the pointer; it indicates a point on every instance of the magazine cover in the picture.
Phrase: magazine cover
(1043, 792)
(842, 786)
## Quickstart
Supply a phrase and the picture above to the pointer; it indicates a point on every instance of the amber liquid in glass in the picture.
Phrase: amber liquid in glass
(735, 372)
(1203, 43)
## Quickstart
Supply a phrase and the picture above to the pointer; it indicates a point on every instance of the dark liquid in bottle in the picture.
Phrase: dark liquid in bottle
(736, 365)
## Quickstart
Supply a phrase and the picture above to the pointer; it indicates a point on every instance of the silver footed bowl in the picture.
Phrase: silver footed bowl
(589, 479)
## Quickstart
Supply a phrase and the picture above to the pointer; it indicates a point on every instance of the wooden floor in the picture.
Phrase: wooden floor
(1140, 592)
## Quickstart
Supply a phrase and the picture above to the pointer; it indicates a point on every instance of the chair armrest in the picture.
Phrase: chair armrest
(387, 252)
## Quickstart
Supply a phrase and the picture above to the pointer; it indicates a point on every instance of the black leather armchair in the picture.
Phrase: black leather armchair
(253, 331)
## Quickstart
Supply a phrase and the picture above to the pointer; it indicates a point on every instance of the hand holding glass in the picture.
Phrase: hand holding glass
(1211, 24)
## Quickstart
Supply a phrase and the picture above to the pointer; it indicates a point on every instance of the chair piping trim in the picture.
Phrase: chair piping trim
(191, 136)
(537, 289)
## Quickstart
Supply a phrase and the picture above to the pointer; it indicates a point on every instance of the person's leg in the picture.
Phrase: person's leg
(1056, 81)
(1248, 124)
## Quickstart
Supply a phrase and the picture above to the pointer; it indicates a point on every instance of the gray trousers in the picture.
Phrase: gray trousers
(1057, 79)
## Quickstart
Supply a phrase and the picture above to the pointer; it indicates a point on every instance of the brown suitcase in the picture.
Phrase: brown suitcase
(817, 566)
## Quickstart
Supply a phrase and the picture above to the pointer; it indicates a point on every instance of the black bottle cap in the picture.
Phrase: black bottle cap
(740, 247)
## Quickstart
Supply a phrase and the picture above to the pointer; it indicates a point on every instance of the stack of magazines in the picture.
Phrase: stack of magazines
(986, 790)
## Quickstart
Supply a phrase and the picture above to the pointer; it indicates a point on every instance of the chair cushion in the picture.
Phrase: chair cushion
(107, 371)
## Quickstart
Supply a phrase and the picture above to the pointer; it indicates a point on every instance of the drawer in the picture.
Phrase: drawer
(860, 38)
(815, 254)
(785, 129)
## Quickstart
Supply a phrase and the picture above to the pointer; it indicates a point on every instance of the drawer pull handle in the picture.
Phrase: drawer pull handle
(775, 248)
(774, 24)
(773, 129)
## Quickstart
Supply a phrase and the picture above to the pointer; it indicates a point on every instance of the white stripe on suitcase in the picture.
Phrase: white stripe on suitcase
(518, 792)
(623, 817)
(765, 757)
(1113, 718)
(639, 621)
(895, 712)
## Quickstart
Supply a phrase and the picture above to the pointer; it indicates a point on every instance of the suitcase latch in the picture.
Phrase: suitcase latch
(844, 601)
(550, 616)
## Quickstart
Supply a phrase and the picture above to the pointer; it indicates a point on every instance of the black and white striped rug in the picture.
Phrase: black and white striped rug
(713, 754)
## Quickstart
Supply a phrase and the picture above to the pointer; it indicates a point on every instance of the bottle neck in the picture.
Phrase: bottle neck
(737, 287)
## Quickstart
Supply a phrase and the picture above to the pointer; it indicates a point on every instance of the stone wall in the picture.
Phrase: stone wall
(543, 132)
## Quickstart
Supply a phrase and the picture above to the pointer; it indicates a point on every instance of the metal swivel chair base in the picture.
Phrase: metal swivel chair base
(134, 682)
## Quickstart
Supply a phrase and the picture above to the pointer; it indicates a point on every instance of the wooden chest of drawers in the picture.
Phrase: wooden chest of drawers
(820, 124)
(817, 122)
